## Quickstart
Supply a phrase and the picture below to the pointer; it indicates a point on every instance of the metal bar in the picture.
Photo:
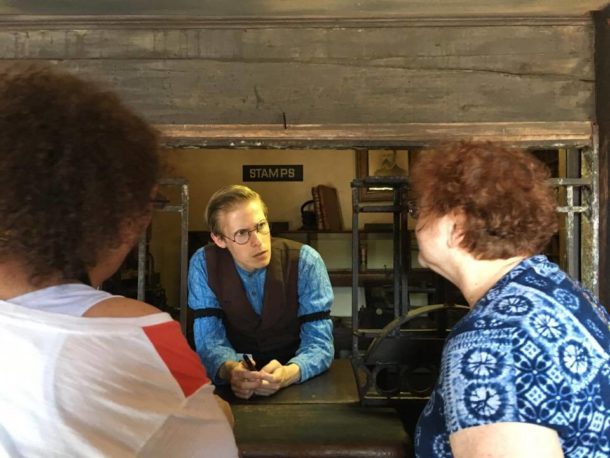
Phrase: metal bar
(142, 267)
(396, 253)
(574, 169)
(574, 209)
(399, 274)
(556, 182)
(421, 333)
(183, 210)
(581, 256)
(172, 181)
(405, 257)
(592, 156)
(571, 246)
(184, 228)
(355, 249)
(405, 248)
(379, 209)
(170, 208)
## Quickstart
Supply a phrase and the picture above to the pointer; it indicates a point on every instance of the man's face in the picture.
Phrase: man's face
(256, 252)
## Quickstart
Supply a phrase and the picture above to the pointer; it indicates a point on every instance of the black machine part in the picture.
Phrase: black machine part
(402, 362)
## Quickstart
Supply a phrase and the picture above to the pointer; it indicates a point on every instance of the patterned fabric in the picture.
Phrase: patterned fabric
(316, 352)
(534, 349)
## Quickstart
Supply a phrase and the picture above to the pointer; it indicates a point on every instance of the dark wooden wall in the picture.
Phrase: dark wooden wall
(506, 74)
(349, 70)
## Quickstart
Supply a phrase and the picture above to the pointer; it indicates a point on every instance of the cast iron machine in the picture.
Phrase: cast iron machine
(398, 362)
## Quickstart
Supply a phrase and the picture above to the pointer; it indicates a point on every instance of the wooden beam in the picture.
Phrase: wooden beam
(324, 8)
(548, 134)
(339, 70)
(602, 101)
(164, 22)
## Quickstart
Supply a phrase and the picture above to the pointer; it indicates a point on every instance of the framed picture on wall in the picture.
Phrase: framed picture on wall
(380, 163)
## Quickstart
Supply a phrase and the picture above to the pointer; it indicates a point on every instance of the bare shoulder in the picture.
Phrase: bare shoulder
(120, 307)
(504, 440)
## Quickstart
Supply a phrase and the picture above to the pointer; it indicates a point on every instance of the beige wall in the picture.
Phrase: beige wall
(207, 170)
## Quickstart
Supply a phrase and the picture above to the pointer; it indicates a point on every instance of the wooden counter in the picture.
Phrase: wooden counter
(319, 418)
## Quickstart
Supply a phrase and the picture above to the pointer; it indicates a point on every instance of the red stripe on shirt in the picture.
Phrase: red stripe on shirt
(182, 362)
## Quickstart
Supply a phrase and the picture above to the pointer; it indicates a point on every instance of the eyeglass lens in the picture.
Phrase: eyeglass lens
(242, 236)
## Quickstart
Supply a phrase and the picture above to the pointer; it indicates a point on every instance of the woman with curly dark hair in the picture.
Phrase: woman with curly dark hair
(526, 372)
(85, 373)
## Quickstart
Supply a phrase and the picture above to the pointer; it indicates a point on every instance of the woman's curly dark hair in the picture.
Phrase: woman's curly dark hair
(509, 207)
(75, 166)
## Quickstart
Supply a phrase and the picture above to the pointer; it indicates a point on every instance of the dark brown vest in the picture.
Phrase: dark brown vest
(274, 334)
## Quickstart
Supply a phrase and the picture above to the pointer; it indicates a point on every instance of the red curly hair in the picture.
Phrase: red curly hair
(508, 205)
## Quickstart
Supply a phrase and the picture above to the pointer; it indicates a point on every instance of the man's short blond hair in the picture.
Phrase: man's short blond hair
(224, 200)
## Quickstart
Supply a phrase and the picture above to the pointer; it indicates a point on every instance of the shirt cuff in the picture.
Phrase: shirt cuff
(303, 375)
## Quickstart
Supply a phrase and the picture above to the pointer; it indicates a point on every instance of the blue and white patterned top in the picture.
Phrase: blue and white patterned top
(315, 294)
(535, 349)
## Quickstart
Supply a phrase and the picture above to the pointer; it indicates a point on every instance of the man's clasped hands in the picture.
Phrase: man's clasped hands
(246, 381)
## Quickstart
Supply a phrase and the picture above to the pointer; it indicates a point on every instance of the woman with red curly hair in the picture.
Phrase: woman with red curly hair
(526, 372)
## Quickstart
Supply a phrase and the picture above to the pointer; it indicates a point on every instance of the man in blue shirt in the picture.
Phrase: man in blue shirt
(254, 295)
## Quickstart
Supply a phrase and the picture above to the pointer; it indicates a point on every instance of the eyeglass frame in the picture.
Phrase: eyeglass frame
(412, 209)
(257, 228)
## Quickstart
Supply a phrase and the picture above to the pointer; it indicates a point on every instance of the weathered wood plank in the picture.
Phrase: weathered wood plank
(168, 22)
(204, 92)
(545, 49)
(386, 72)
(559, 134)
(327, 93)
(311, 7)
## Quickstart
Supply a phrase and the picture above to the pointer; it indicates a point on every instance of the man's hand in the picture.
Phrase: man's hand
(243, 382)
(275, 376)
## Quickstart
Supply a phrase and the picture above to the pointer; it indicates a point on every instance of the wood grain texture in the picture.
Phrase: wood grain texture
(551, 134)
(311, 7)
(335, 386)
(602, 91)
(378, 71)
(324, 431)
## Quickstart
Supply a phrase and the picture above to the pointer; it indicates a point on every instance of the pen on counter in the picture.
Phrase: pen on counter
(249, 363)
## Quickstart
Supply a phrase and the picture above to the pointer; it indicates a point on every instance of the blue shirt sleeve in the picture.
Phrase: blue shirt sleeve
(315, 294)
(211, 341)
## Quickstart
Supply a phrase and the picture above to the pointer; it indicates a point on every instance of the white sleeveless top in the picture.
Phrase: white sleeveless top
(102, 387)
(68, 299)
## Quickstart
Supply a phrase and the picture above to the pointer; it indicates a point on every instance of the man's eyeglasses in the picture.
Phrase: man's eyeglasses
(412, 209)
(242, 236)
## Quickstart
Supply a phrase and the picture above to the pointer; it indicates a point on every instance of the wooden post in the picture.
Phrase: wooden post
(602, 112)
